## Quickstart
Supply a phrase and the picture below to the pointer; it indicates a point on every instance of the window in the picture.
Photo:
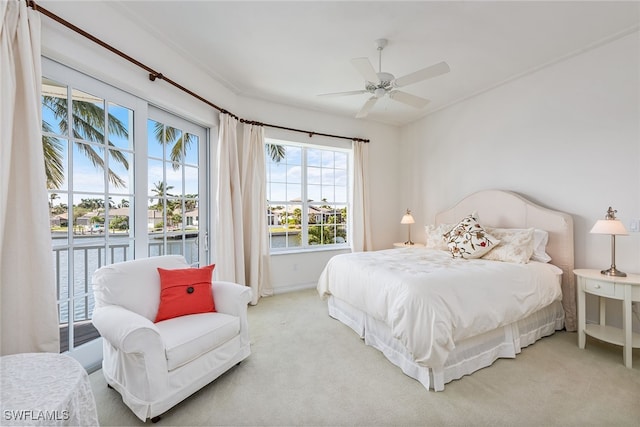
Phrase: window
(173, 183)
(125, 180)
(88, 141)
(307, 196)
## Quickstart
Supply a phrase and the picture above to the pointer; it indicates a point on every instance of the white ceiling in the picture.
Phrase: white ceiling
(289, 52)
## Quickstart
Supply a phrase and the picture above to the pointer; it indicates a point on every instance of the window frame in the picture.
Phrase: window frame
(90, 353)
(305, 203)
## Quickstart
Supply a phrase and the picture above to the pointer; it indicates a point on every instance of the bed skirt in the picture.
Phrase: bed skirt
(469, 355)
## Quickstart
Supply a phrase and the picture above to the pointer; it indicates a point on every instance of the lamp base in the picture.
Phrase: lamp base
(613, 272)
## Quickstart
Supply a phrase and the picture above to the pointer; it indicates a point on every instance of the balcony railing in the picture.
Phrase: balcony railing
(77, 297)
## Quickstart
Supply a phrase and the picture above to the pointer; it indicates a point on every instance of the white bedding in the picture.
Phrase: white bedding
(430, 300)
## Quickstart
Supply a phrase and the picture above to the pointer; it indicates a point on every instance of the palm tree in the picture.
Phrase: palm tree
(190, 202)
(53, 150)
(52, 197)
(161, 190)
(89, 125)
(167, 135)
(59, 209)
(276, 152)
(91, 204)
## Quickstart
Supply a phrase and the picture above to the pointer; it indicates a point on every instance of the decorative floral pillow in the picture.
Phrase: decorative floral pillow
(468, 239)
(435, 236)
(516, 245)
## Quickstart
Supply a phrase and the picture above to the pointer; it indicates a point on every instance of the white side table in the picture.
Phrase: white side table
(45, 389)
(405, 245)
(625, 289)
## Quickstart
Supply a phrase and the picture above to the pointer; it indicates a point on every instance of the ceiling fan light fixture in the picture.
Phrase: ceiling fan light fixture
(380, 92)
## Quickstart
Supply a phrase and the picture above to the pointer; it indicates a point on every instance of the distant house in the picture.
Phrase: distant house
(118, 212)
(61, 220)
(317, 214)
(273, 216)
(191, 218)
(85, 220)
(320, 215)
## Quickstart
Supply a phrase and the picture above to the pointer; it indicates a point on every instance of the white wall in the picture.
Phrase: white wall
(566, 137)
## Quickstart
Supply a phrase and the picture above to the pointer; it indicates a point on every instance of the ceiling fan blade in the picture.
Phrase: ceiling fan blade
(352, 92)
(407, 98)
(364, 67)
(425, 73)
(366, 107)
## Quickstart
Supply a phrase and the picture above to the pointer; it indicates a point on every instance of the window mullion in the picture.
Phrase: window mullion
(105, 170)
(141, 197)
(304, 202)
(70, 221)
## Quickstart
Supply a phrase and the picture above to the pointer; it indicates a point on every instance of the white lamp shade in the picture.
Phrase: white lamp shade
(407, 219)
(609, 226)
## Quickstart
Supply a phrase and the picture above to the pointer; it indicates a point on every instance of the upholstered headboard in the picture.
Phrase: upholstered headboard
(497, 208)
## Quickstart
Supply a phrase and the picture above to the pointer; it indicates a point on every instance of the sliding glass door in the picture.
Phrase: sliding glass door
(175, 179)
(125, 181)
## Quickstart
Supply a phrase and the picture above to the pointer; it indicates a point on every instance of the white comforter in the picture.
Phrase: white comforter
(430, 300)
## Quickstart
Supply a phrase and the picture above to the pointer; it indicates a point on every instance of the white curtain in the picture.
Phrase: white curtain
(254, 207)
(29, 318)
(361, 221)
(229, 239)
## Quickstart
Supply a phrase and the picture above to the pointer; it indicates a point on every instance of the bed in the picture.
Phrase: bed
(439, 317)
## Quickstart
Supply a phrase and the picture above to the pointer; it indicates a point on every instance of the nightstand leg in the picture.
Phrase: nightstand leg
(626, 327)
(603, 310)
(581, 314)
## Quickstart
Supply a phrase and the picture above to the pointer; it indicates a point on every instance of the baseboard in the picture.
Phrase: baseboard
(93, 367)
(293, 288)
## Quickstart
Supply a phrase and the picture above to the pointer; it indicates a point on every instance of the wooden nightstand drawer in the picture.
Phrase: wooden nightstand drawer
(600, 288)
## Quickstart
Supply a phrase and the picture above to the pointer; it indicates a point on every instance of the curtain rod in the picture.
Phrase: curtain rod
(153, 75)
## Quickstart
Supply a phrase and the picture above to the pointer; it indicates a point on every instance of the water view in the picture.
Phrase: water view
(90, 253)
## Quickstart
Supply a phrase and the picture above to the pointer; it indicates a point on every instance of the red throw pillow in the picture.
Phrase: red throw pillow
(185, 291)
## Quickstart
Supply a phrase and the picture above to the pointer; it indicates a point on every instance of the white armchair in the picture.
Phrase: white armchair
(154, 366)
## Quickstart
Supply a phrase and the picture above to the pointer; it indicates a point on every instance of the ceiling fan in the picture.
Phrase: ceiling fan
(380, 84)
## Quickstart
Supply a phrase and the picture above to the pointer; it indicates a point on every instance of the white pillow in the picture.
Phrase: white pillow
(516, 245)
(435, 236)
(468, 239)
(540, 240)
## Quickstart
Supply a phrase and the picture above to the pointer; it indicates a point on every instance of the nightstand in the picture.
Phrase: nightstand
(405, 245)
(625, 289)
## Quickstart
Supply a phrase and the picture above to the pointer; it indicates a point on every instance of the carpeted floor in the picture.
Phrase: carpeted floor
(307, 369)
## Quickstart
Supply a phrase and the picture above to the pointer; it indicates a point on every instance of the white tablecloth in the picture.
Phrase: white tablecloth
(45, 389)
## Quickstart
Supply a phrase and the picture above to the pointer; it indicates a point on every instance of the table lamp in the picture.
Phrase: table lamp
(613, 226)
(407, 218)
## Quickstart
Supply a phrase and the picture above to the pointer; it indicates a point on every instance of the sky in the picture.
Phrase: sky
(327, 175)
(89, 180)
(326, 169)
